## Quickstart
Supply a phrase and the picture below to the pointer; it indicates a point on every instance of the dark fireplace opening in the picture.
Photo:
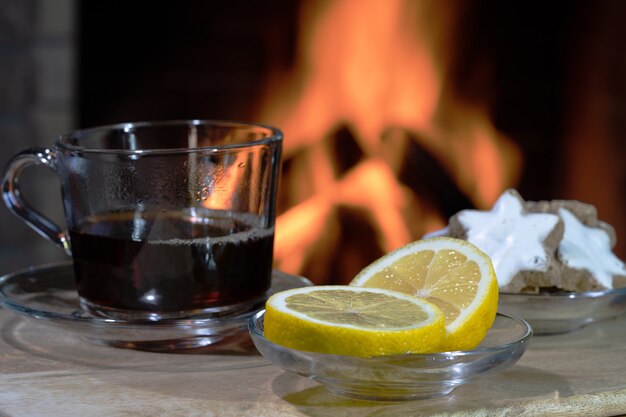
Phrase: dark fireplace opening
(155, 60)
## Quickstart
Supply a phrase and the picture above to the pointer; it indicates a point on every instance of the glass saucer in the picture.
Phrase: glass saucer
(562, 311)
(47, 293)
(401, 377)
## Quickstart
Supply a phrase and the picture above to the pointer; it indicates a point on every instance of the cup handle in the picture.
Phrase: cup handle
(16, 203)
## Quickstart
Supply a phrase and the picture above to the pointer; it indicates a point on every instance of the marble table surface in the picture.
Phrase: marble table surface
(47, 371)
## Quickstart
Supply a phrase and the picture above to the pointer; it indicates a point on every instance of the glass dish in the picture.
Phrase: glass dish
(401, 377)
(46, 293)
(561, 312)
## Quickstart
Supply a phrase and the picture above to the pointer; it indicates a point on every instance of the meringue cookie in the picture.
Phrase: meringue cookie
(543, 245)
(586, 251)
(516, 241)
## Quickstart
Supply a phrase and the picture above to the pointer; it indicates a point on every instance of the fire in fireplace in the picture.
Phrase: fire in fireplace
(377, 136)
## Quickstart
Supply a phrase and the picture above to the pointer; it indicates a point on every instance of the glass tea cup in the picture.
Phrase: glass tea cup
(164, 220)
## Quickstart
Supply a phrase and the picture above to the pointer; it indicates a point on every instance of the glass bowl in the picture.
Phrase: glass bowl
(561, 312)
(400, 377)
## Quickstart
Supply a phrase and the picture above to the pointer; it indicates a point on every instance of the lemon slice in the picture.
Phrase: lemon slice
(344, 320)
(453, 274)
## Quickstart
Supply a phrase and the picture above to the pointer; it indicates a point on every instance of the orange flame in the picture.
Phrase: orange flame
(373, 65)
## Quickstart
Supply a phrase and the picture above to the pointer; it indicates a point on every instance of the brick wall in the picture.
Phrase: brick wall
(36, 104)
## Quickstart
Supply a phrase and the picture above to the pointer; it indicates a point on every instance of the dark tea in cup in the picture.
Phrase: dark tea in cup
(173, 262)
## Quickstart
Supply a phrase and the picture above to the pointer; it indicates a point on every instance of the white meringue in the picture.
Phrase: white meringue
(588, 248)
(512, 237)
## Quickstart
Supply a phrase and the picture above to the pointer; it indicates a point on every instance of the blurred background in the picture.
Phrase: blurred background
(396, 113)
